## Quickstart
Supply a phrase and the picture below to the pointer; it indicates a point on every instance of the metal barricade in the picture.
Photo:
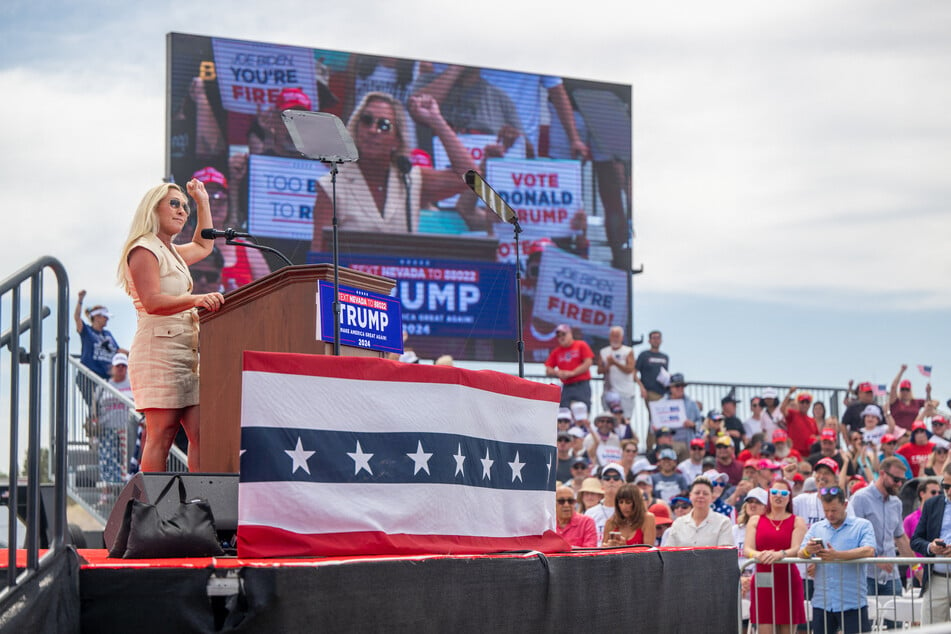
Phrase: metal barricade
(910, 606)
(708, 395)
(102, 436)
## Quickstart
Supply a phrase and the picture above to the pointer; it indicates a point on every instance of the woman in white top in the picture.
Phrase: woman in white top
(702, 526)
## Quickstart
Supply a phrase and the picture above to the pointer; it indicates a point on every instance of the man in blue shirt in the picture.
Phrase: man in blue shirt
(840, 598)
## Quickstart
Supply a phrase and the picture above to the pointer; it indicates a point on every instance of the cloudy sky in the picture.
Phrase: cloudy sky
(791, 160)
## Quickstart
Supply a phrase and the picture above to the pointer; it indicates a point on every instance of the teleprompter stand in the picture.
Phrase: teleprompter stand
(323, 137)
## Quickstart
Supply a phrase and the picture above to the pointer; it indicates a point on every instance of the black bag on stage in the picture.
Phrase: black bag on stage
(189, 532)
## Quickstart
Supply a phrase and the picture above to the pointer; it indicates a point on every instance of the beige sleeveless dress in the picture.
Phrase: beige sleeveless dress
(163, 359)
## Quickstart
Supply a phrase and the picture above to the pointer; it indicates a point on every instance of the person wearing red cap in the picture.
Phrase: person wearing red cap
(800, 426)
(903, 406)
(853, 413)
(889, 448)
(784, 448)
(917, 450)
(571, 362)
(242, 265)
(692, 466)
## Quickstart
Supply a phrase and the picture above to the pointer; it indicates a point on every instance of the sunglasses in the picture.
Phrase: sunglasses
(580, 466)
(781, 492)
(565, 500)
(718, 484)
(382, 124)
(611, 477)
(681, 505)
(175, 203)
(945, 486)
(829, 491)
(895, 479)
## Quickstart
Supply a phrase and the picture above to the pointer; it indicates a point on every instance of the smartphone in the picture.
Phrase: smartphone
(614, 535)
(940, 543)
(817, 540)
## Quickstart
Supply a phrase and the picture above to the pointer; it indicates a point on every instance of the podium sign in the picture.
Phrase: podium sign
(367, 320)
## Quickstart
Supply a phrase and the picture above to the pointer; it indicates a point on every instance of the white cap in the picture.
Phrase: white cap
(120, 358)
(758, 494)
(579, 410)
(715, 476)
(102, 310)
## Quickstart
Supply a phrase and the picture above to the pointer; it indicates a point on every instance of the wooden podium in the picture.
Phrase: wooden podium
(277, 313)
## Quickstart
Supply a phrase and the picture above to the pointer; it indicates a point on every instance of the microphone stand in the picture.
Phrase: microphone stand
(505, 213)
(323, 137)
(520, 344)
(335, 255)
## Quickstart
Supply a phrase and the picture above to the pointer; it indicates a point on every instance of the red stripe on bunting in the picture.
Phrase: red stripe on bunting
(374, 369)
(264, 541)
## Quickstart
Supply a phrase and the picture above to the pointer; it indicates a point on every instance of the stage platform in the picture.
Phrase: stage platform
(646, 590)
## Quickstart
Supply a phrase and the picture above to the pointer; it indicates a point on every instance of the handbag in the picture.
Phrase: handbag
(188, 532)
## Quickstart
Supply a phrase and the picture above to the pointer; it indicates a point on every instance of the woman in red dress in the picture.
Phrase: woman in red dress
(777, 588)
(631, 523)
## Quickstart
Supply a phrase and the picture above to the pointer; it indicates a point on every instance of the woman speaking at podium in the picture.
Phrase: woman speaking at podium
(163, 359)
(383, 192)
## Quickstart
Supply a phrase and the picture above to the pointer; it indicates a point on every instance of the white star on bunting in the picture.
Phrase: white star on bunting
(486, 465)
(420, 459)
(299, 457)
(517, 468)
(361, 460)
(459, 460)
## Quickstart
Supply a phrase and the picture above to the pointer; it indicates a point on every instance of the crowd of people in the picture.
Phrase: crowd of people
(788, 481)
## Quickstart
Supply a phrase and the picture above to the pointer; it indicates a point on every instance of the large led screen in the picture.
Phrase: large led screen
(557, 149)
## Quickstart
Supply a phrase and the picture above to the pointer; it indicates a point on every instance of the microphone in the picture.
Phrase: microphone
(404, 165)
(229, 234)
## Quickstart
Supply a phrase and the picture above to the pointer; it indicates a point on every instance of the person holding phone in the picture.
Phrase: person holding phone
(931, 539)
(840, 599)
(631, 523)
(770, 538)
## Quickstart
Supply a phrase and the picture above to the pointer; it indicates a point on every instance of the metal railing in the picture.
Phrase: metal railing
(22, 360)
(904, 609)
(707, 395)
(102, 437)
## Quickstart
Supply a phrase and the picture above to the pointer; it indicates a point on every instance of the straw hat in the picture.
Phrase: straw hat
(591, 485)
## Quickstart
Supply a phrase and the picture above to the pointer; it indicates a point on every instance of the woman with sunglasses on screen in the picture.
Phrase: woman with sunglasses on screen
(777, 594)
(631, 523)
(383, 192)
(163, 359)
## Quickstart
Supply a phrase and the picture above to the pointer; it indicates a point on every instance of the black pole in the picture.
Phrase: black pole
(336, 259)
(520, 344)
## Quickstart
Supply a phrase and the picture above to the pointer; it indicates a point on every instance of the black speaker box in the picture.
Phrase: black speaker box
(219, 489)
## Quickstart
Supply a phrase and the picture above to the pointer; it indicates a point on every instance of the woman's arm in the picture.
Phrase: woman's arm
(749, 542)
(199, 248)
(78, 313)
(799, 531)
(439, 184)
(144, 269)
(649, 529)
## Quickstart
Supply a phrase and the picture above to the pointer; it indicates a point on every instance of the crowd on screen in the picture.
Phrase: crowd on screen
(748, 474)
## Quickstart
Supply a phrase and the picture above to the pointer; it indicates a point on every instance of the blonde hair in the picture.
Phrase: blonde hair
(144, 222)
(399, 118)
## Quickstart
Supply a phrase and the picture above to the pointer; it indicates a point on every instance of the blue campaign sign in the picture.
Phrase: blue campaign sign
(367, 320)
(445, 298)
